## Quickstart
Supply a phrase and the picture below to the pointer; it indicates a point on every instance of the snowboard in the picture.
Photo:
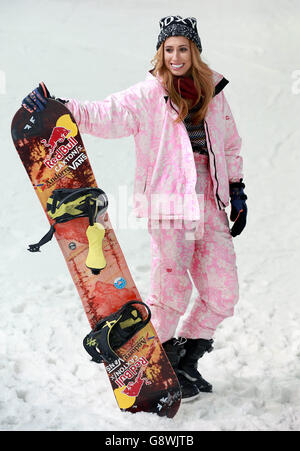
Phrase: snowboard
(53, 154)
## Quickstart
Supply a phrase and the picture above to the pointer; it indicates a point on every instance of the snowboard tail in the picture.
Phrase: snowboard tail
(53, 154)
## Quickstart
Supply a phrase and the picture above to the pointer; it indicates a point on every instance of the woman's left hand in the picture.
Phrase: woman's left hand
(238, 207)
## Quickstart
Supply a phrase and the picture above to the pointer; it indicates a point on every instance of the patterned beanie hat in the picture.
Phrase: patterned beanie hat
(177, 26)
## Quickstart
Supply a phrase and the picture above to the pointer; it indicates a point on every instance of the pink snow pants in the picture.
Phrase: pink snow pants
(207, 255)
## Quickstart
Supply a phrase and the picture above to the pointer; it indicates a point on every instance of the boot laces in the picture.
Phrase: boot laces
(180, 341)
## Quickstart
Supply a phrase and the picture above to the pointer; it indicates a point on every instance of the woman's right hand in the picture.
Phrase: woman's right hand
(37, 99)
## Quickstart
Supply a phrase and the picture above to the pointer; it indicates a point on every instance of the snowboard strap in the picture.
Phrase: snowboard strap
(114, 331)
(67, 204)
(48, 237)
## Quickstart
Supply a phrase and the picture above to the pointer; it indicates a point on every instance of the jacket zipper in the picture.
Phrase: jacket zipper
(216, 177)
(217, 194)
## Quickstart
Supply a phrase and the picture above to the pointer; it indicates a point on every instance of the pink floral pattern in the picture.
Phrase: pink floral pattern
(208, 257)
(164, 157)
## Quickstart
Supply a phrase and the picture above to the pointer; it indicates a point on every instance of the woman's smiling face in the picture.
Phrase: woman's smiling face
(177, 55)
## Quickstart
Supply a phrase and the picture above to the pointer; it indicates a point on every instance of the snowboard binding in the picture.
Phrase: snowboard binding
(67, 204)
(114, 331)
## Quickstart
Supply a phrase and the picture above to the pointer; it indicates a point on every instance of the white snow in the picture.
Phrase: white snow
(87, 50)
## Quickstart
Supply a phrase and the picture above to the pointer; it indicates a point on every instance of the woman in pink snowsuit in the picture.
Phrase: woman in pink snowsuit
(187, 168)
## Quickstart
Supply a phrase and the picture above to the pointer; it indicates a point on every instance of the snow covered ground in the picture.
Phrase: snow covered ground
(87, 50)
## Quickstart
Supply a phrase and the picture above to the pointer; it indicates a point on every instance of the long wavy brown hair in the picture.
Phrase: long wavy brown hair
(203, 80)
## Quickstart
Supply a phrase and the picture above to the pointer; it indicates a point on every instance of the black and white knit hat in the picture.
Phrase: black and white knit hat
(177, 26)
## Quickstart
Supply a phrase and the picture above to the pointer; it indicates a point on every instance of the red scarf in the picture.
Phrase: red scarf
(186, 88)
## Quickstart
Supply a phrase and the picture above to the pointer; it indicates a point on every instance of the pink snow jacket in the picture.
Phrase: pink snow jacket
(165, 175)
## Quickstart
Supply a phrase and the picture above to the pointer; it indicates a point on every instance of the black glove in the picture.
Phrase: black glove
(238, 207)
(38, 98)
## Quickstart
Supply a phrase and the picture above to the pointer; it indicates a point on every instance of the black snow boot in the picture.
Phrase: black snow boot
(174, 349)
(195, 349)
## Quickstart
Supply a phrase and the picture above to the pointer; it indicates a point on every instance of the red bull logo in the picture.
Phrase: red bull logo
(130, 381)
(136, 371)
(58, 135)
(133, 388)
(61, 151)
(62, 145)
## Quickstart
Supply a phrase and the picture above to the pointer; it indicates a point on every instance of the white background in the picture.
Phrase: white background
(88, 50)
